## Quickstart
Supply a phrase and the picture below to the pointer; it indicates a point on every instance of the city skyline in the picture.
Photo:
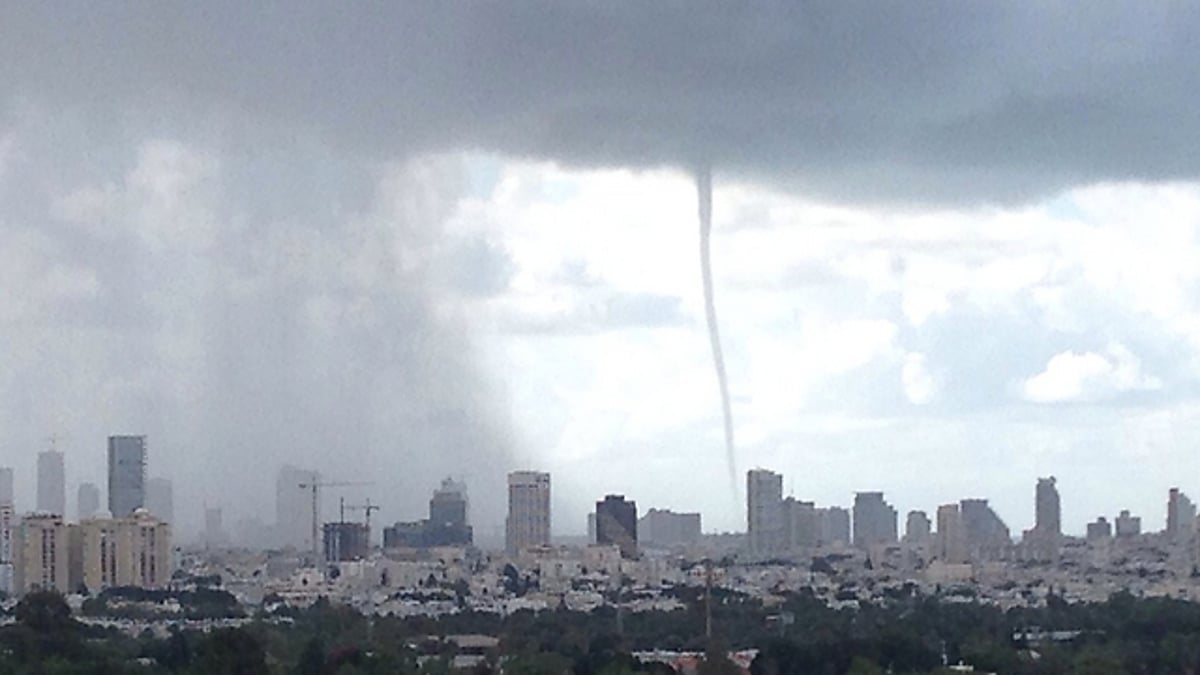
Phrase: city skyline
(948, 248)
(296, 511)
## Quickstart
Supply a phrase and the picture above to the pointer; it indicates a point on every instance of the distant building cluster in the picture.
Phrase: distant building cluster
(129, 544)
(446, 526)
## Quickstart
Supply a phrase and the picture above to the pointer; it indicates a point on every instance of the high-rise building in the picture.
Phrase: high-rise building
(160, 499)
(874, 520)
(917, 528)
(764, 512)
(1043, 540)
(800, 524)
(126, 474)
(616, 523)
(214, 528)
(446, 525)
(1181, 516)
(87, 500)
(1047, 508)
(131, 551)
(6, 485)
(833, 526)
(1128, 525)
(665, 528)
(51, 483)
(951, 537)
(40, 554)
(984, 532)
(8, 525)
(1101, 530)
(293, 507)
(448, 506)
(528, 522)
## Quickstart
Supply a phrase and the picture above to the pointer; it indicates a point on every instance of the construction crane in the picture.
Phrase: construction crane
(316, 486)
(366, 509)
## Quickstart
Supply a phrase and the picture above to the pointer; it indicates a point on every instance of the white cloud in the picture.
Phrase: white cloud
(1088, 376)
(920, 385)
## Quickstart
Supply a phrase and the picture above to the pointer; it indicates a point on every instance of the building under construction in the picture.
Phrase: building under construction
(346, 541)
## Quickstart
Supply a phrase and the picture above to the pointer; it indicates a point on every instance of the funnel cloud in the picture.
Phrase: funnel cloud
(704, 199)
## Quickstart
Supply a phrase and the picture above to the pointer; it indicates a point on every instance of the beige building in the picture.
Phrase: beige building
(40, 555)
(131, 551)
(528, 522)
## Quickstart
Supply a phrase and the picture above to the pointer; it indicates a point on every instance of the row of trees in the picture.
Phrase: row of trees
(913, 634)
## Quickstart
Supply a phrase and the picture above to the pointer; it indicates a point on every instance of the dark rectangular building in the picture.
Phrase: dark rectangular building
(616, 523)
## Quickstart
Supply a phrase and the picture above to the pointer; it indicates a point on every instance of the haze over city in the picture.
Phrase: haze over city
(954, 250)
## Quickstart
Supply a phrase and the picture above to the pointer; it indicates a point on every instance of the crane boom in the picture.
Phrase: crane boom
(315, 486)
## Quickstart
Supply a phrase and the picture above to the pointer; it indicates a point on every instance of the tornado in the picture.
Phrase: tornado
(704, 196)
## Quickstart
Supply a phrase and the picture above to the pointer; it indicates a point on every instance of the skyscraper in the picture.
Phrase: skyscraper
(764, 512)
(917, 528)
(8, 527)
(1047, 508)
(51, 483)
(1043, 540)
(985, 534)
(448, 506)
(616, 523)
(528, 522)
(1181, 515)
(800, 523)
(87, 502)
(833, 526)
(293, 507)
(126, 474)
(951, 538)
(160, 499)
(874, 520)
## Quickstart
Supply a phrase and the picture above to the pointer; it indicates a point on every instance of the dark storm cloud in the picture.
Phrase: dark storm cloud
(929, 101)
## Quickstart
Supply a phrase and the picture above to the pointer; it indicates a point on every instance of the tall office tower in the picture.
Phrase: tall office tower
(1128, 525)
(764, 512)
(6, 485)
(1101, 530)
(917, 528)
(126, 474)
(799, 524)
(160, 499)
(130, 551)
(833, 526)
(874, 520)
(448, 506)
(40, 554)
(51, 483)
(591, 527)
(951, 538)
(985, 534)
(87, 500)
(1047, 508)
(616, 523)
(8, 526)
(663, 527)
(293, 507)
(214, 529)
(1181, 515)
(528, 522)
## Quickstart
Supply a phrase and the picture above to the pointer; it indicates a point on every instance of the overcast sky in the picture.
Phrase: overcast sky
(955, 249)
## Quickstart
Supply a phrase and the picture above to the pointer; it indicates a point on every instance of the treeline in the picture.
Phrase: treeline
(910, 634)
